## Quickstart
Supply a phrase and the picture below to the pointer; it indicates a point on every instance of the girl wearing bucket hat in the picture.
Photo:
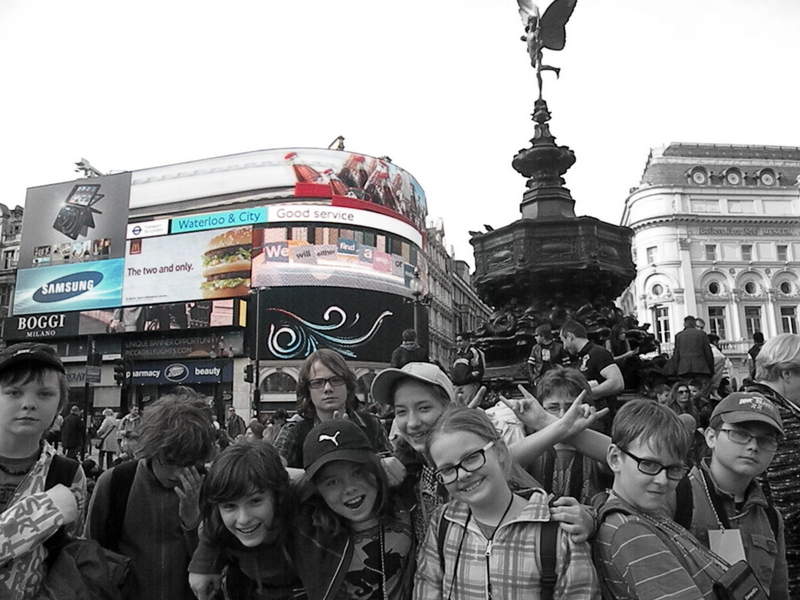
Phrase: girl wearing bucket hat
(420, 393)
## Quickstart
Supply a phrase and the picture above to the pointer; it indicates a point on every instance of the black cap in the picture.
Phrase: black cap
(338, 439)
(30, 353)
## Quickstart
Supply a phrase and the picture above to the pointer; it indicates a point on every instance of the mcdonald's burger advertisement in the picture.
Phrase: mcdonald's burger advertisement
(202, 265)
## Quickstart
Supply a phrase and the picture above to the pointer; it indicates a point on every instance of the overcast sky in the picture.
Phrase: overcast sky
(443, 87)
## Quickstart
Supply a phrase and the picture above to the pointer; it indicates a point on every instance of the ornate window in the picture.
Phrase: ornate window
(716, 321)
(698, 176)
(733, 176)
(789, 319)
(752, 320)
(767, 177)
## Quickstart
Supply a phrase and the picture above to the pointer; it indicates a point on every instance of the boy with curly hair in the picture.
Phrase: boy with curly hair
(148, 509)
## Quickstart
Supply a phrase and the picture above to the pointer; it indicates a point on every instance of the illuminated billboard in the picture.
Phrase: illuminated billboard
(333, 256)
(359, 324)
(73, 243)
(191, 266)
(295, 172)
(69, 287)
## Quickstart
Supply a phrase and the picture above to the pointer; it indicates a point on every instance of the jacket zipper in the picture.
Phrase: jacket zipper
(338, 568)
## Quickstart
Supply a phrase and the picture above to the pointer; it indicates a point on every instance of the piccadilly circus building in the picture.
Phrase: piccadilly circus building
(221, 274)
(716, 237)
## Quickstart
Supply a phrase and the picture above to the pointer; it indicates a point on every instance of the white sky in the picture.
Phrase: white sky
(444, 87)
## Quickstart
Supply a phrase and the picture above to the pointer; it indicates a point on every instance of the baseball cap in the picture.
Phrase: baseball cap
(421, 371)
(337, 439)
(30, 353)
(741, 407)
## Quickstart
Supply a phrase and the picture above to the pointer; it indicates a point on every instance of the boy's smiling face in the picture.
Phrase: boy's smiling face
(28, 409)
(647, 493)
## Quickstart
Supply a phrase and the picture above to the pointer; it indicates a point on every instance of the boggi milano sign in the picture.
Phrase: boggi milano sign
(28, 327)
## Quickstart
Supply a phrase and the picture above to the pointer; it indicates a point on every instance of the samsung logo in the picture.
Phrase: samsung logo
(68, 286)
(176, 372)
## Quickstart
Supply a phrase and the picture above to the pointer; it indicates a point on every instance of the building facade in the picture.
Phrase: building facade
(455, 307)
(10, 234)
(716, 236)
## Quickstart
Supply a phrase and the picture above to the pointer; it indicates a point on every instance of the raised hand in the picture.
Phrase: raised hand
(579, 416)
(189, 496)
(529, 410)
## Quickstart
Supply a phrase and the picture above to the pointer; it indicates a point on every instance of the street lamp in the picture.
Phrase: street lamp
(417, 298)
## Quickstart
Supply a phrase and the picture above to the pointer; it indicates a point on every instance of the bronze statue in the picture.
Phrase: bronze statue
(547, 31)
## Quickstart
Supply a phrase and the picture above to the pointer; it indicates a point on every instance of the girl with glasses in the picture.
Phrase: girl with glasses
(485, 543)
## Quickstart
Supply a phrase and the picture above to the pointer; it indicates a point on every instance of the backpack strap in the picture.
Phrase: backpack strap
(122, 477)
(62, 470)
(548, 537)
(441, 534)
(684, 503)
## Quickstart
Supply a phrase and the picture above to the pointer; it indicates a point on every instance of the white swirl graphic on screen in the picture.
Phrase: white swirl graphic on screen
(298, 338)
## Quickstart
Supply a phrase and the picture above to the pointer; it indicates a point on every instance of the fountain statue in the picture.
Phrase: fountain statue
(549, 265)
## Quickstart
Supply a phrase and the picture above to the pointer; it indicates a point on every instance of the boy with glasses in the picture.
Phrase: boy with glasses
(640, 553)
(731, 514)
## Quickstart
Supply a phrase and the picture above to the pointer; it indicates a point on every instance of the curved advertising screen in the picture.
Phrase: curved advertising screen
(327, 255)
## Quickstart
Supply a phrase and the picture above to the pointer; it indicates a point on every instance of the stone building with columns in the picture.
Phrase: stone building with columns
(716, 236)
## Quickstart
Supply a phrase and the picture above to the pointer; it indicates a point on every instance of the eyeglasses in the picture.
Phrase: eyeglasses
(683, 391)
(653, 468)
(737, 436)
(470, 463)
(319, 383)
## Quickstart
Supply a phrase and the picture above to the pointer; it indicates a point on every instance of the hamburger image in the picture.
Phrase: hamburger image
(226, 264)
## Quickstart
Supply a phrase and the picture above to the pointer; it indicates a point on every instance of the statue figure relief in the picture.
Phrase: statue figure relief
(547, 31)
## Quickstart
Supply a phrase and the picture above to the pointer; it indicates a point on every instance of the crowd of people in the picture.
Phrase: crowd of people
(562, 491)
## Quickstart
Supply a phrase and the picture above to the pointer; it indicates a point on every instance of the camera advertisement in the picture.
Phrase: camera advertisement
(203, 265)
(75, 222)
(73, 245)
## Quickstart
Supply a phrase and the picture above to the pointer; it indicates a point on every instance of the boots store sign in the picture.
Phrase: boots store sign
(30, 327)
(183, 372)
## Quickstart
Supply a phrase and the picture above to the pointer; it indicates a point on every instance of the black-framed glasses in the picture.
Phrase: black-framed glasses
(767, 442)
(319, 382)
(683, 391)
(470, 463)
(653, 468)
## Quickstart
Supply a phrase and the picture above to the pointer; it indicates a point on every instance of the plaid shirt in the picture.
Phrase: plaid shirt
(650, 557)
(513, 558)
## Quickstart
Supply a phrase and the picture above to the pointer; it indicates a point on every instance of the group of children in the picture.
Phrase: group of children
(467, 521)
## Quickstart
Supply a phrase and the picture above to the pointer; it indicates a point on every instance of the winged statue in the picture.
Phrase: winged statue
(545, 31)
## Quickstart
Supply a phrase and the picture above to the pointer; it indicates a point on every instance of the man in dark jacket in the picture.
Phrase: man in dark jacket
(72, 432)
(408, 351)
(692, 356)
(235, 425)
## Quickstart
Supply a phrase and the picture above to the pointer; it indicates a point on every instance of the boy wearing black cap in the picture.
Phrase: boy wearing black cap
(33, 388)
(731, 514)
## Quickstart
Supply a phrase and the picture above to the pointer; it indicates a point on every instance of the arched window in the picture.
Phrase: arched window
(278, 383)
